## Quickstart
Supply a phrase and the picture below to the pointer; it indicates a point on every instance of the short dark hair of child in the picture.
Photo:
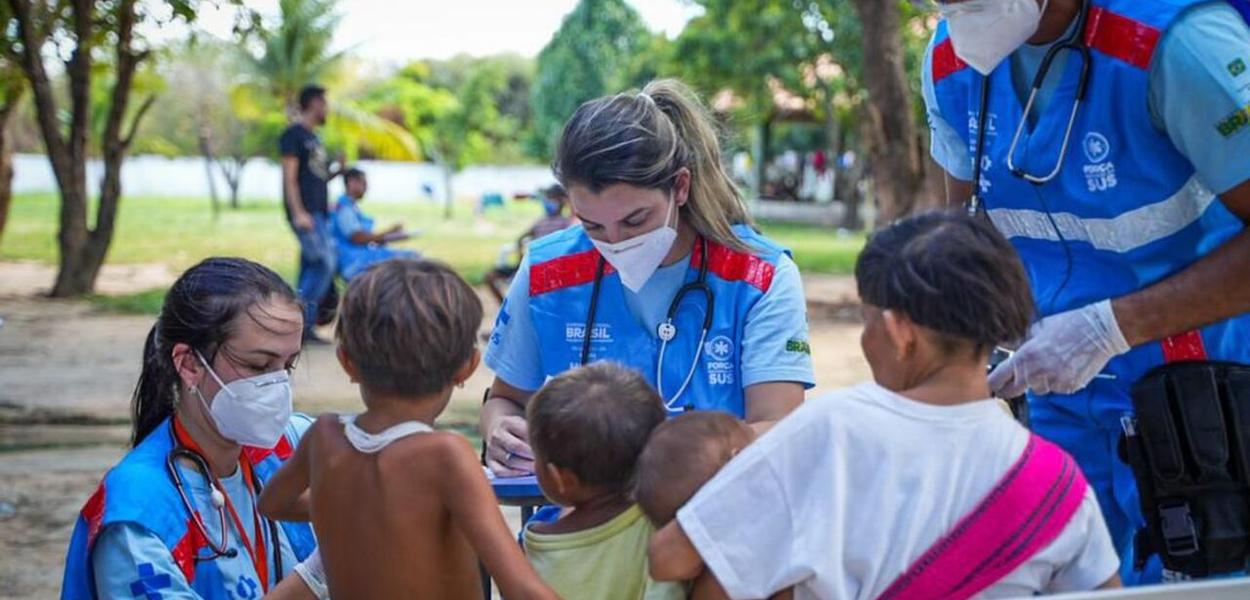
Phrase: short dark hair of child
(556, 192)
(594, 421)
(353, 174)
(682, 455)
(309, 93)
(409, 325)
(951, 273)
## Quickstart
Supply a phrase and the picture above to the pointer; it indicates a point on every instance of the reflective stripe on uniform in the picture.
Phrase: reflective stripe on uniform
(1124, 233)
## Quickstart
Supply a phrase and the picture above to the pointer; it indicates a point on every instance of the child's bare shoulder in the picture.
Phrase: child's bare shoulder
(443, 450)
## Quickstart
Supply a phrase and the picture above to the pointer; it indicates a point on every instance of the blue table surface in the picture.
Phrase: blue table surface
(516, 487)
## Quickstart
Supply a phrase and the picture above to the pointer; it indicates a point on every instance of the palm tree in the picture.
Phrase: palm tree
(296, 51)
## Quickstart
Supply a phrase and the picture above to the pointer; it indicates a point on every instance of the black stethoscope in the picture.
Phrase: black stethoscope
(666, 331)
(217, 549)
(1074, 42)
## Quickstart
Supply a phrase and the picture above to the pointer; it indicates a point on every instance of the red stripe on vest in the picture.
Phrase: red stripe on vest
(185, 551)
(1122, 38)
(1184, 347)
(565, 272)
(282, 450)
(945, 62)
(735, 265)
(93, 513)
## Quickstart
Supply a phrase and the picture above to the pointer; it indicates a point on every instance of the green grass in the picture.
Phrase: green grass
(180, 232)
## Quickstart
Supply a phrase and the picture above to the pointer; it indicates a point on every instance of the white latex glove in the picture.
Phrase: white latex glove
(314, 575)
(1062, 354)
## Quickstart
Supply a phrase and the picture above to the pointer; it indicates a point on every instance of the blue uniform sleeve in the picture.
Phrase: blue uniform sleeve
(948, 150)
(775, 343)
(131, 562)
(346, 221)
(513, 353)
(1200, 92)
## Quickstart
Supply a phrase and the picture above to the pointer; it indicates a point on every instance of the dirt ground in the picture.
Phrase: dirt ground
(67, 371)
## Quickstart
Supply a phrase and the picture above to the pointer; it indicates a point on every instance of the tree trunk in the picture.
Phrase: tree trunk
(6, 161)
(233, 172)
(897, 169)
(82, 249)
(206, 150)
(448, 196)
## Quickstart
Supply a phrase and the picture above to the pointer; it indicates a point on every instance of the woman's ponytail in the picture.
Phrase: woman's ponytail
(644, 140)
(156, 392)
(716, 204)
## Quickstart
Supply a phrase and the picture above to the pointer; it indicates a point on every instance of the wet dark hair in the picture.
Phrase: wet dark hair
(950, 273)
(409, 325)
(353, 173)
(594, 421)
(200, 310)
(309, 93)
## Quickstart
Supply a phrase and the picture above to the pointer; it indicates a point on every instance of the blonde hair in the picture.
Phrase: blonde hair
(644, 139)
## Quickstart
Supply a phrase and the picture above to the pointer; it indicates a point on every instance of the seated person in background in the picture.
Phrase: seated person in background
(681, 455)
(587, 428)
(401, 510)
(554, 200)
(357, 244)
(917, 481)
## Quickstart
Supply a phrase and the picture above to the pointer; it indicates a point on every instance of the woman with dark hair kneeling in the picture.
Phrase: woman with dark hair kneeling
(212, 422)
(915, 485)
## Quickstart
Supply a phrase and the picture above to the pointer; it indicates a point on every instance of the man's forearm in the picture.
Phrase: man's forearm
(1215, 288)
(293, 200)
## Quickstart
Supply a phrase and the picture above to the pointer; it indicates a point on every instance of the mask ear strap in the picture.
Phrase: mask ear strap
(210, 370)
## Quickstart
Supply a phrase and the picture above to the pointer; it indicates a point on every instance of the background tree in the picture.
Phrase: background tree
(12, 90)
(78, 32)
(295, 49)
(816, 50)
(897, 157)
(586, 58)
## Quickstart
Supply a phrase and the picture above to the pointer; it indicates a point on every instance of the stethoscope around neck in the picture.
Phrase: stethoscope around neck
(666, 331)
(1075, 42)
(217, 549)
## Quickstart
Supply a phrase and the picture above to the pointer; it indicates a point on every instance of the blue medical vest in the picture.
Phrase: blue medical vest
(562, 274)
(1126, 210)
(139, 491)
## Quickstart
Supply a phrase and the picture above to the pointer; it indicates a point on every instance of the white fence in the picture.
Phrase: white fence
(187, 177)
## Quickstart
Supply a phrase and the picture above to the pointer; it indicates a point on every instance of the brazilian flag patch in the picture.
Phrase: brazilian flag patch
(799, 346)
(1237, 67)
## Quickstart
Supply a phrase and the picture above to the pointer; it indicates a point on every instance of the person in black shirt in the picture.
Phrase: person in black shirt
(305, 175)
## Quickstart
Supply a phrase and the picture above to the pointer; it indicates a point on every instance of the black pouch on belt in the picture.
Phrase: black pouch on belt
(1189, 447)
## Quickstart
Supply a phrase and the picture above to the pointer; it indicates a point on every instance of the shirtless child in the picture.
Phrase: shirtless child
(402, 511)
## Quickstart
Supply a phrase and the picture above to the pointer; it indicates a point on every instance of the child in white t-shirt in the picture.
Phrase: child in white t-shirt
(846, 495)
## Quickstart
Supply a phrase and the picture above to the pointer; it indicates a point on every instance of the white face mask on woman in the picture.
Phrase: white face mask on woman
(252, 411)
(985, 32)
(637, 258)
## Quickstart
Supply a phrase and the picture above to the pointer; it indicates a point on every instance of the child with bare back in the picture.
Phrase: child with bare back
(400, 510)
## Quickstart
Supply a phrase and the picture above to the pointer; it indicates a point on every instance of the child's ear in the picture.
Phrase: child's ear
(902, 332)
(564, 479)
(349, 367)
(469, 367)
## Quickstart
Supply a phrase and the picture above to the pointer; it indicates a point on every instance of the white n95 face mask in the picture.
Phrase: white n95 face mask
(252, 411)
(637, 258)
(985, 32)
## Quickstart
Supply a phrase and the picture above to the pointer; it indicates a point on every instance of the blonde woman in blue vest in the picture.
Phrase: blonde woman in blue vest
(665, 274)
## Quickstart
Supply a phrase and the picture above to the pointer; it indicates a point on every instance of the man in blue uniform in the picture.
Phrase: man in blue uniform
(1122, 177)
